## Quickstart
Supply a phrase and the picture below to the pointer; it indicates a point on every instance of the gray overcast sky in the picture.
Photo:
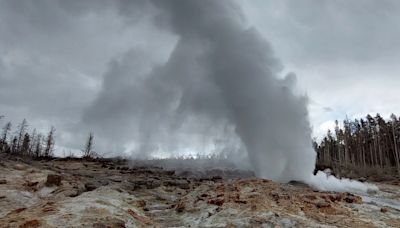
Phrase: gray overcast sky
(56, 55)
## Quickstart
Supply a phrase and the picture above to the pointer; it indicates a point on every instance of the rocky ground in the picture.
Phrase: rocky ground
(110, 193)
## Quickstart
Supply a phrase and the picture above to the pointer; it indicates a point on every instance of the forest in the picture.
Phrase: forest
(35, 145)
(363, 147)
(22, 143)
(360, 147)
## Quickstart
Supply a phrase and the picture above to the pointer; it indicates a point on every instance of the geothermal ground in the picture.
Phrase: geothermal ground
(110, 193)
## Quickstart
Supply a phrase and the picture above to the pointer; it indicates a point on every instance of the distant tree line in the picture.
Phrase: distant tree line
(23, 143)
(361, 145)
(34, 144)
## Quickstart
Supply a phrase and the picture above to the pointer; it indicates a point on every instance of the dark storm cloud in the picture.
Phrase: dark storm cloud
(85, 65)
(39, 79)
(53, 55)
(360, 31)
(330, 31)
(339, 50)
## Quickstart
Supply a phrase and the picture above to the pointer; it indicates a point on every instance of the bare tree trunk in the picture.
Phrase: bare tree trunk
(396, 152)
(345, 151)
(340, 160)
(364, 165)
(375, 153)
(380, 152)
(372, 157)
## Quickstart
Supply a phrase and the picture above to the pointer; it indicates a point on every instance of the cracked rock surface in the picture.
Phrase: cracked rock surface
(110, 193)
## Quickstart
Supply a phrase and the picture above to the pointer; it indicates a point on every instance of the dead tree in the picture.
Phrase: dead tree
(88, 150)
(4, 136)
(21, 132)
(38, 146)
(26, 145)
(48, 151)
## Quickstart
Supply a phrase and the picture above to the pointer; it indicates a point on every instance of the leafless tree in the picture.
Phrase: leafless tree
(49, 149)
(88, 150)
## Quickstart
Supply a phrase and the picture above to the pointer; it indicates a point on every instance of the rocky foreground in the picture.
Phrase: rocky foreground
(110, 193)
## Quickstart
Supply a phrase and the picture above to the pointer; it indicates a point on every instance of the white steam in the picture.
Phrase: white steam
(326, 182)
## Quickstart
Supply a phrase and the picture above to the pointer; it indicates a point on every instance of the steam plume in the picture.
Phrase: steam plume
(221, 81)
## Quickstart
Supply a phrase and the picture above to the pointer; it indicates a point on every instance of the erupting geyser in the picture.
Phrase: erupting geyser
(224, 74)
(240, 68)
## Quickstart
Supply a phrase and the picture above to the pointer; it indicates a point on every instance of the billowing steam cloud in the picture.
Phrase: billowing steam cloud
(239, 66)
(221, 82)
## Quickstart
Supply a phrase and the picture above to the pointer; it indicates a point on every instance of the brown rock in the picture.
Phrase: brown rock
(153, 184)
(216, 178)
(183, 184)
(384, 210)
(30, 224)
(218, 202)
(350, 198)
(71, 192)
(180, 207)
(322, 204)
(53, 179)
(32, 184)
(140, 218)
(18, 210)
(334, 197)
(241, 201)
(276, 196)
(116, 178)
(311, 197)
(115, 223)
(204, 195)
(100, 225)
(140, 203)
(90, 186)
(3, 181)
(362, 179)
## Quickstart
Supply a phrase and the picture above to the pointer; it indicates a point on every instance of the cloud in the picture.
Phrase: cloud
(53, 55)
(344, 53)
(307, 31)
(58, 58)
